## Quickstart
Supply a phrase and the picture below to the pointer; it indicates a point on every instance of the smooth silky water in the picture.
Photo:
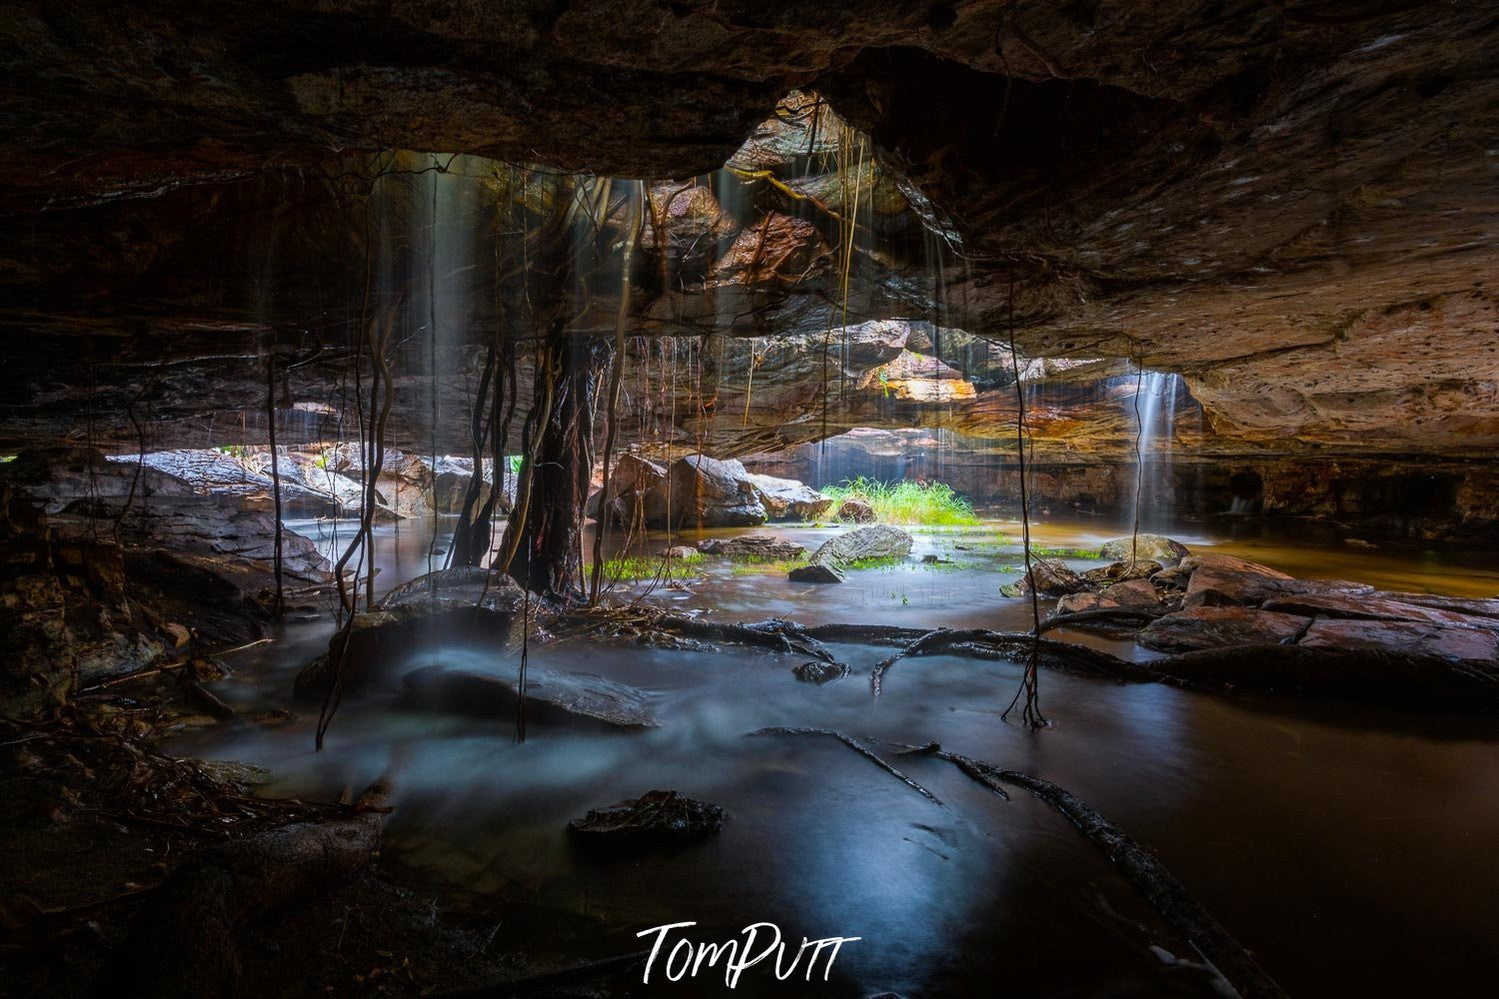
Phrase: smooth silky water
(1349, 847)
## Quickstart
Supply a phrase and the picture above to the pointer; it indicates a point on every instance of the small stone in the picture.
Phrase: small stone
(655, 820)
(820, 672)
(816, 572)
(179, 635)
(856, 510)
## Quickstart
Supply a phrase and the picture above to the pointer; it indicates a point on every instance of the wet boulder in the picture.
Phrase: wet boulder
(1221, 580)
(856, 511)
(1152, 546)
(829, 561)
(461, 601)
(820, 672)
(764, 547)
(1217, 627)
(1225, 580)
(706, 492)
(1133, 594)
(553, 697)
(655, 820)
(1053, 578)
(631, 481)
(1118, 572)
(450, 481)
(789, 499)
(403, 485)
(816, 572)
(460, 588)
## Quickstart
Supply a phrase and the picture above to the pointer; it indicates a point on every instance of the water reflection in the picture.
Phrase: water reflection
(1348, 847)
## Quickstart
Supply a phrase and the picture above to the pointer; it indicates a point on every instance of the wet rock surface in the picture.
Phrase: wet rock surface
(1215, 627)
(655, 820)
(766, 547)
(789, 499)
(1230, 601)
(1145, 546)
(553, 697)
(1052, 578)
(828, 562)
(459, 602)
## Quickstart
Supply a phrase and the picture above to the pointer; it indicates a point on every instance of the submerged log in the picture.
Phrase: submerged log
(1161, 889)
(182, 943)
(857, 747)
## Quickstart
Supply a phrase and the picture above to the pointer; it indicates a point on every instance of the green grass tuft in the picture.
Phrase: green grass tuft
(923, 503)
(637, 567)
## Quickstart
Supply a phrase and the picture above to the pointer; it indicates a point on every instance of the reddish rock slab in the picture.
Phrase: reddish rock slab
(1118, 572)
(1216, 627)
(1134, 594)
(1409, 638)
(1375, 607)
(1475, 606)
(1225, 580)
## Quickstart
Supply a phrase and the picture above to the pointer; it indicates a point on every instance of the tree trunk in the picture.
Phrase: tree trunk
(559, 468)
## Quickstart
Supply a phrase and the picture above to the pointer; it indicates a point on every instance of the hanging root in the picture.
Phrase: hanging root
(1160, 887)
(857, 747)
(1030, 685)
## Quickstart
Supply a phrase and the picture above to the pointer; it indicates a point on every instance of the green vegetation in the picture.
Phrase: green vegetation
(1038, 551)
(638, 567)
(765, 566)
(873, 562)
(924, 503)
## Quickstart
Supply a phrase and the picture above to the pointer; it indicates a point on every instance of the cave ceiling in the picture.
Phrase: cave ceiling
(1294, 205)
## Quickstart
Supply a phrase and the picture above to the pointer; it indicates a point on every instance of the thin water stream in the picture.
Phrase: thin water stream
(1350, 848)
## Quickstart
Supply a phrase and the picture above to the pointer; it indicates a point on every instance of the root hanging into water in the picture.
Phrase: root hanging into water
(382, 393)
(278, 605)
(1029, 681)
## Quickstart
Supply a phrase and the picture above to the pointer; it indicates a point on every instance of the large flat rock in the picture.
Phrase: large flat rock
(1409, 638)
(1375, 606)
(1216, 627)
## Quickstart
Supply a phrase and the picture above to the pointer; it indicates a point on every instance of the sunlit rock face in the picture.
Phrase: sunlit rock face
(1298, 220)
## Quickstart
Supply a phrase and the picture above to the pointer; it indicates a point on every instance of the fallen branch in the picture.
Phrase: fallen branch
(858, 748)
(1160, 887)
(1052, 654)
(1102, 614)
(205, 698)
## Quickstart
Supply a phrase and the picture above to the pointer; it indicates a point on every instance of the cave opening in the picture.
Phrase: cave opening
(472, 502)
